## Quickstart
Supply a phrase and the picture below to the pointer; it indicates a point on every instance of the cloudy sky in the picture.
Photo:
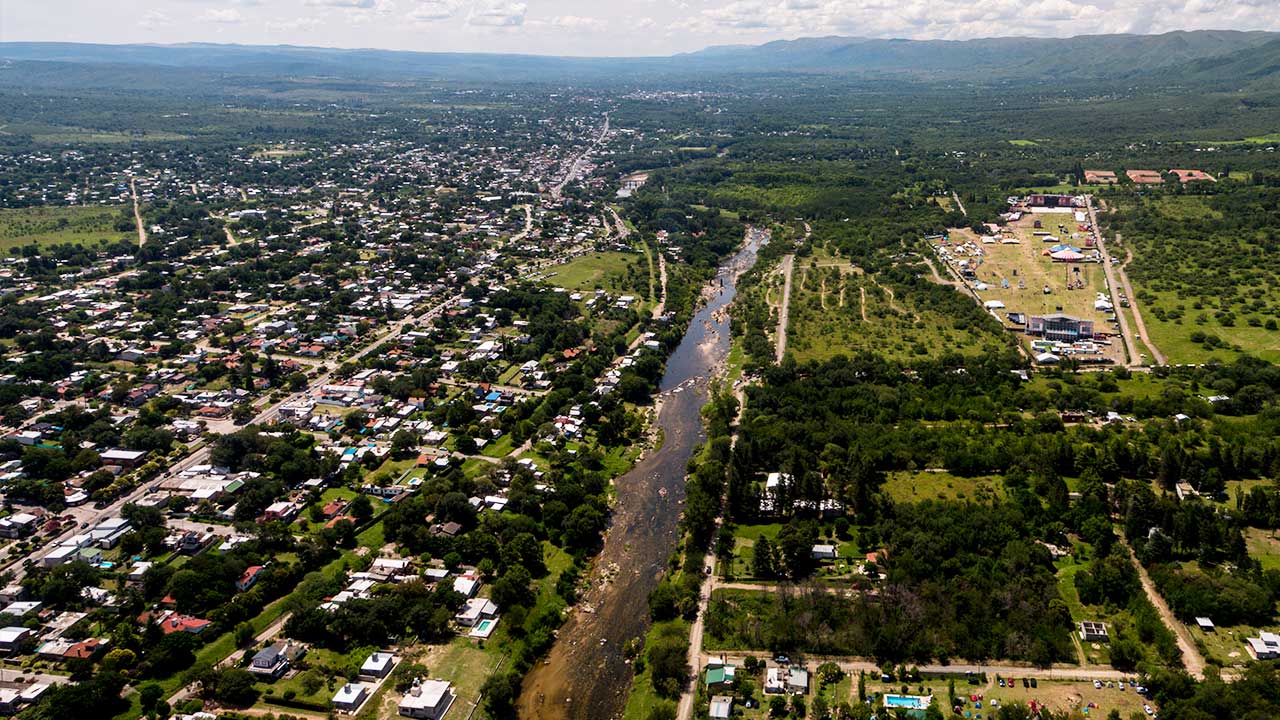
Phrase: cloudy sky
(601, 27)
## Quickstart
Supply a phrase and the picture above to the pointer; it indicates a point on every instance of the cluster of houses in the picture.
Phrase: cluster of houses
(781, 677)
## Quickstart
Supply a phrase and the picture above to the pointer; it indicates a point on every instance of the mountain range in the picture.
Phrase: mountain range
(1207, 56)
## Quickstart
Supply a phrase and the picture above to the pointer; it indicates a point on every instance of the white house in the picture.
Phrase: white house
(427, 699)
(378, 665)
(350, 696)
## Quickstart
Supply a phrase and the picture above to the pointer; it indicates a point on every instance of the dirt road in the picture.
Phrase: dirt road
(784, 312)
(1141, 326)
(137, 213)
(852, 665)
(1191, 657)
(1126, 333)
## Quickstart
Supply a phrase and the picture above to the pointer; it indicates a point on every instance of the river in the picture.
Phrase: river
(585, 676)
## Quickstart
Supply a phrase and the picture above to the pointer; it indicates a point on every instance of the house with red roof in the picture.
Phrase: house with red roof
(249, 577)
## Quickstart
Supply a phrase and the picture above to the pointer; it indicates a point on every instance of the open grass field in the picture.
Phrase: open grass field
(1264, 546)
(837, 309)
(604, 270)
(1225, 645)
(278, 153)
(1200, 270)
(1017, 274)
(70, 135)
(910, 487)
(1268, 139)
(46, 226)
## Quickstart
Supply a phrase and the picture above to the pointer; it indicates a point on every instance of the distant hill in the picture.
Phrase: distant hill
(1200, 56)
(1082, 56)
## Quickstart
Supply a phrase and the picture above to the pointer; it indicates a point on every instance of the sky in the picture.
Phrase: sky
(601, 27)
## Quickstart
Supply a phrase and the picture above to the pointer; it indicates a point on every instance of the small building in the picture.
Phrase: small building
(720, 676)
(377, 665)
(273, 661)
(1205, 624)
(1264, 647)
(12, 637)
(466, 585)
(721, 706)
(1186, 176)
(427, 700)
(249, 577)
(475, 610)
(22, 607)
(123, 458)
(18, 525)
(824, 552)
(350, 696)
(1091, 631)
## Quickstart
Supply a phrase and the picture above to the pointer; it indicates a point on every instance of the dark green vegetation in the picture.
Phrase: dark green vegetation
(838, 428)
(945, 593)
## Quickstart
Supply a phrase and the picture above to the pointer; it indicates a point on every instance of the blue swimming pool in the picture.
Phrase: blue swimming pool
(908, 702)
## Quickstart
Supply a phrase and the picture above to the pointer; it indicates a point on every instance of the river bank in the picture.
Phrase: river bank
(586, 675)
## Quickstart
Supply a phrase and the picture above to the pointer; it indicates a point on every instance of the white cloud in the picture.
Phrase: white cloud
(293, 25)
(968, 19)
(496, 13)
(432, 10)
(225, 16)
(153, 19)
(577, 22)
(356, 4)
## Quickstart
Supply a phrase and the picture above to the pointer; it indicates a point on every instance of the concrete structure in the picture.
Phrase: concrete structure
(427, 700)
(1060, 327)
(350, 697)
(721, 706)
(1091, 631)
(1264, 647)
(378, 665)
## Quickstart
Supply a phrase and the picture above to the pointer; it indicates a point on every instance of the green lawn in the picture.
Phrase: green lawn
(907, 487)
(500, 447)
(1264, 547)
(76, 135)
(46, 226)
(605, 270)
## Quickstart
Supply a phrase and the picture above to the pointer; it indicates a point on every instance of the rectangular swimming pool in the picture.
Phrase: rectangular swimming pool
(908, 702)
